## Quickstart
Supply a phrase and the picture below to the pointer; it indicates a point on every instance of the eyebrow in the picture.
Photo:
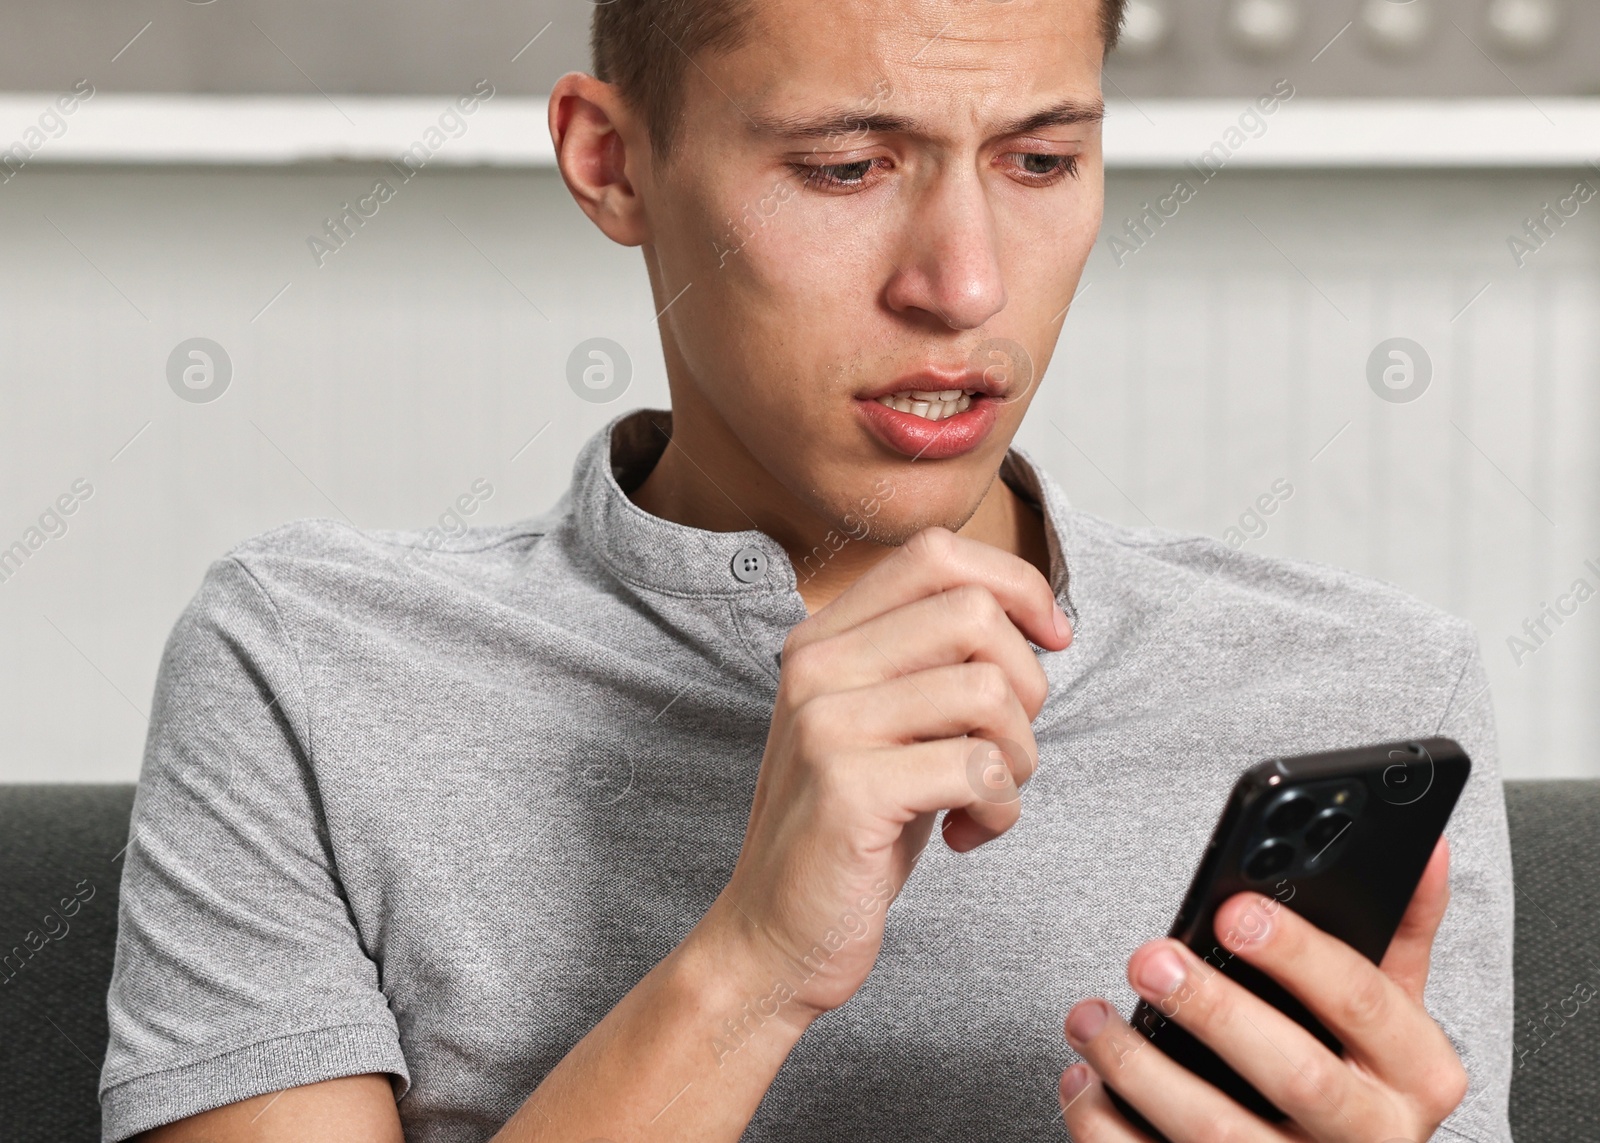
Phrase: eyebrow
(834, 123)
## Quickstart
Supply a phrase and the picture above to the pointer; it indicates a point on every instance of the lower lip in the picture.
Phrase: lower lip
(922, 439)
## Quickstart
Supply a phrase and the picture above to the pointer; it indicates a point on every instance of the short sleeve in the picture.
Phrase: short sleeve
(239, 969)
(1470, 990)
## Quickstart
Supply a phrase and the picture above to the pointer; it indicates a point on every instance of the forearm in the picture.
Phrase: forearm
(664, 1064)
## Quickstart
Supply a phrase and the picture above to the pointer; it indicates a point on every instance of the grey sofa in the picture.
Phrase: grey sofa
(60, 861)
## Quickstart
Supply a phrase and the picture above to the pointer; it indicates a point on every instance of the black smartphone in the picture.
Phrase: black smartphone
(1341, 838)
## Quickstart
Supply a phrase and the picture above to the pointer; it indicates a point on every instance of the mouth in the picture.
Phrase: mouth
(929, 404)
(947, 415)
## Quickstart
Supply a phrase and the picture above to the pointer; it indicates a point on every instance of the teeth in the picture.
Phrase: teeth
(931, 405)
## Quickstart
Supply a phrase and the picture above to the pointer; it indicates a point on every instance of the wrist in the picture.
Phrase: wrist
(740, 983)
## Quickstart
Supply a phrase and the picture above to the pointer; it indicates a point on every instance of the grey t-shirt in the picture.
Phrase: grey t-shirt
(433, 810)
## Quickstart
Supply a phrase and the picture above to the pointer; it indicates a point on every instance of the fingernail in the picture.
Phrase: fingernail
(1085, 1021)
(1073, 1081)
(1063, 626)
(1160, 974)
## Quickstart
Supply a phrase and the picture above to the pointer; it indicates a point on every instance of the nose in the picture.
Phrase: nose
(949, 263)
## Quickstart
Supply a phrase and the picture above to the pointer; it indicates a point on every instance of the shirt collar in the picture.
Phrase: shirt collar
(649, 552)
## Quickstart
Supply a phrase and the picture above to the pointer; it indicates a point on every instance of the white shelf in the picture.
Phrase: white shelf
(279, 129)
(511, 132)
(1414, 133)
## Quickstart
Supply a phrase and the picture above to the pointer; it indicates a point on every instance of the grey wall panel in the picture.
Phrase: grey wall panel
(1333, 53)
(301, 46)
(293, 47)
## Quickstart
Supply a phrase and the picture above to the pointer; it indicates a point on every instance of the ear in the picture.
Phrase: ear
(599, 145)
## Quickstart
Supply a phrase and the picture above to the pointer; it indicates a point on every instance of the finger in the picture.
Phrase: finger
(1178, 1103)
(1376, 1020)
(1279, 1058)
(936, 560)
(963, 624)
(1411, 950)
(1089, 1113)
(904, 781)
(946, 702)
(971, 699)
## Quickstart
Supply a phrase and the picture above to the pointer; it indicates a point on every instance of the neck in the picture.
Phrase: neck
(1003, 520)
(716, 486)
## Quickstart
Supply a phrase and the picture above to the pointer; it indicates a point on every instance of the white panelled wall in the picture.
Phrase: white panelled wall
(1227, 354)
(1232, 350)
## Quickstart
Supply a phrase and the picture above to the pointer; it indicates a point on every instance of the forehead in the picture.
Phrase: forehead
(961, 59)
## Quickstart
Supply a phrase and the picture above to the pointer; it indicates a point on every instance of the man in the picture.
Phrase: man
(615, 824)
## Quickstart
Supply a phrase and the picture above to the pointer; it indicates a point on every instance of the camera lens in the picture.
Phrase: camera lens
(1329, 825)
(1290, 814)
(1272, 856)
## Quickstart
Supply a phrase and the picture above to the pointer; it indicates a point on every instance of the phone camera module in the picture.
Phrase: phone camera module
(1271, 857)
(1329, 827)
(1291, 812)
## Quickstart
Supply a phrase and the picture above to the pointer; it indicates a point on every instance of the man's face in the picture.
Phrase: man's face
(857, 204)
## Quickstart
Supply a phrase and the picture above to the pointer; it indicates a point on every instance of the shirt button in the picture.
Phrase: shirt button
(749, 565)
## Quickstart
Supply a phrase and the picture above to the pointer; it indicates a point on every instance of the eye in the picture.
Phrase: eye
(1042, 169)
(835, 176)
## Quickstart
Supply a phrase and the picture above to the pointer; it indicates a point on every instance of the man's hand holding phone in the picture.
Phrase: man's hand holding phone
(892, 701)
(1398, 1079)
